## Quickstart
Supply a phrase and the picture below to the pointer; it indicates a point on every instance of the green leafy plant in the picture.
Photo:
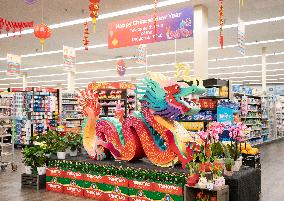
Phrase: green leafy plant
(229, 162)
(74, 140)
(217, 150)
(48, 140)
(28, 156)
(34, 156)
(61, 144)
(40, 157)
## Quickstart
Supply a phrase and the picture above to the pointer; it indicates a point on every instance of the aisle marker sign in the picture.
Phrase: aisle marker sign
(13, 65)
(141, 54)
(141, 30)
(241, 36)
(69, 57)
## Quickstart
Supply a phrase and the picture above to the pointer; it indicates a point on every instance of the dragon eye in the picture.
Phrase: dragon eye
(176, 87)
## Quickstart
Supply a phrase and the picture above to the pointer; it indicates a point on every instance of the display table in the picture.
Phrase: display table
(245, 185)
(115, 180)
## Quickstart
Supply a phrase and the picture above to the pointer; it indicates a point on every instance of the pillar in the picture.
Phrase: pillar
(71, 81)
(263, 69)
(25, 81)
(200, 37)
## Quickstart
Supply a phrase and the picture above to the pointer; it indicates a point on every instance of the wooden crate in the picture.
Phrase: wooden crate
(222, 194)
(33, 181)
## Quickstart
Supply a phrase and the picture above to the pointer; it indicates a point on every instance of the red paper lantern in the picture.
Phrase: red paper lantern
(94, 11)
(120, 67)
(42, 32)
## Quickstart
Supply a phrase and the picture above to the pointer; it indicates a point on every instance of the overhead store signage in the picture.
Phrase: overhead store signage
(141, 54)
(69, 57)
(13, 65)
(241, 36)
(170, 25)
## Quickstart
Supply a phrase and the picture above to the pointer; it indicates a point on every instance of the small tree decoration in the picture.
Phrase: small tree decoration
(86, 36)
(94, 11)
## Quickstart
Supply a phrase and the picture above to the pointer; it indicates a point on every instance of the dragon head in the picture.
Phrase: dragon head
(169, 99)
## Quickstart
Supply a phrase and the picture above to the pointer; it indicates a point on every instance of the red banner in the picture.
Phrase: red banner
(142, 30)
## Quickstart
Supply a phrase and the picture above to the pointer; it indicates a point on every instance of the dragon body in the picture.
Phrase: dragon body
(151, 132)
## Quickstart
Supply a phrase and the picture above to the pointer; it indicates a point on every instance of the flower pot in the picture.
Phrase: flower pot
(210, 185)
(213, 198)
(192, 179)
(73, 153)
(236, 167)
(48, 155)
(28, 169)
(219, 182)
(68, 150)
(228, 173)
(61, 155)
(202, 183)
(41, 170)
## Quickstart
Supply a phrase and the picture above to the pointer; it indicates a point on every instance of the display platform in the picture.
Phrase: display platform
(115, 180)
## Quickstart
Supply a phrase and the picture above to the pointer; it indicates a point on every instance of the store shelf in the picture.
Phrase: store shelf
(74, 99)
(208, 109)
(69, 103)
(6, 135)
(213, 97)
(70, 119)
(5, 107)
(196, 120)
(5, 144)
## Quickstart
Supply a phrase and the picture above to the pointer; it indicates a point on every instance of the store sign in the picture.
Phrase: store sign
(111, 85)
(241, 36)
(69, 57)
(225, 115)
(13, 65)
(170, 25)
(141, 54)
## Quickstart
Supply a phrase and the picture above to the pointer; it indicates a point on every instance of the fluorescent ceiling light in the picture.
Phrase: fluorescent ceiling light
(254, 22)
(271, 79)
(102, 16)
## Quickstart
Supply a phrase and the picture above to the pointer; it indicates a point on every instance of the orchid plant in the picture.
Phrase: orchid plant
(236, 133)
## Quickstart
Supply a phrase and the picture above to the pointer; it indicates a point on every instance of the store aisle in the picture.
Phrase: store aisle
(272, 179)
(272, 171)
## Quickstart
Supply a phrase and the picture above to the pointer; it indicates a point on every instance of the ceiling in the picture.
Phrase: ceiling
(98, 64)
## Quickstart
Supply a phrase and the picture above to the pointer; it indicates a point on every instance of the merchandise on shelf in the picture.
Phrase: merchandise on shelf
(254, 114)
(72, 116)
(7, 128)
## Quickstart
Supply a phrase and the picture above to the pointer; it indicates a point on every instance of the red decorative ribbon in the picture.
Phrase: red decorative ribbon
(221, 22)
(15, 26)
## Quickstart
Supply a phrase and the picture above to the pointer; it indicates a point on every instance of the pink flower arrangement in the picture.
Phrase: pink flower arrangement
(212, 132)
(236, 132)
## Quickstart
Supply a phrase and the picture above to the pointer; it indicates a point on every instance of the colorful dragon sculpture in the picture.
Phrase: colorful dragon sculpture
(153, 132)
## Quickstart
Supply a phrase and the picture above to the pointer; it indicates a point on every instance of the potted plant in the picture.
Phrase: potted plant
(40, 159)
(74, 142)
(219, 180)
(61, 145)
(28, 156)
(229, 162)
(193, 177)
